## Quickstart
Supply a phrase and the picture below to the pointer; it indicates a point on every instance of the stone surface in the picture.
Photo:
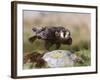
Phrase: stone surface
(59, 58)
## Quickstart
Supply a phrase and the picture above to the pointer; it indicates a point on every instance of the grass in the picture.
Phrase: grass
(85, 56)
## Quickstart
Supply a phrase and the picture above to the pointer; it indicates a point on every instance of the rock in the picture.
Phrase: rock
(59, 58)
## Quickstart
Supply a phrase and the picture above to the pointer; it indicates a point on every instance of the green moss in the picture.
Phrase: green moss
(85, 56)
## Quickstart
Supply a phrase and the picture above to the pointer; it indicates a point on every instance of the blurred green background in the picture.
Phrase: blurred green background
(79, 25)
